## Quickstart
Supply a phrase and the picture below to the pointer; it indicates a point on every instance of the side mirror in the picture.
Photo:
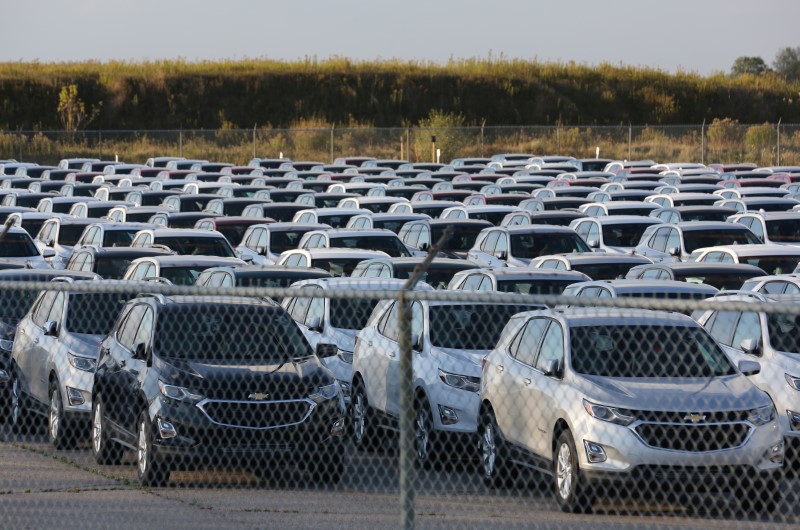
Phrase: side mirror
(140, 351)
(50, 329)
(315, 324)
(416, 343)
(551, 367)
(246, 258)
(503, 254)
(751, 347)
(48, 253)
(749, 368)
(425, 247)
(593, 243)
(326, 350)
(673, 251)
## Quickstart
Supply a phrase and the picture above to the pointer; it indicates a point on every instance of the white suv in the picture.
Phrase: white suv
(622, 397)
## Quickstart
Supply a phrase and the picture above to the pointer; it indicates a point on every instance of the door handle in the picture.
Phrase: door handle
(500, 367)
(527, 380)
(122, 363)
(392, 354)
(36, 341)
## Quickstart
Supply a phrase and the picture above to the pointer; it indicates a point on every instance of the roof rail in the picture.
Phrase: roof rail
(750, 294)
(158, 296)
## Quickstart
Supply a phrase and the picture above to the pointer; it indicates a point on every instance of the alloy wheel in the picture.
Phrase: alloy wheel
(488, 450)
(55, 413)
(142, 448)
(564, 471)
(97, 429)
(422, 433)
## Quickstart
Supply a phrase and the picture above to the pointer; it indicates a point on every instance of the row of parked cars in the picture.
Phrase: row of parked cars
(589, 396)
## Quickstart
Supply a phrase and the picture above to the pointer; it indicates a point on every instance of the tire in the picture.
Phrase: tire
(18, 417)
(364, 429)
(573, 494)
(424, 434)
(759, 497)
(151, 470)
(106, 452)
(59, 429)
(494, 467)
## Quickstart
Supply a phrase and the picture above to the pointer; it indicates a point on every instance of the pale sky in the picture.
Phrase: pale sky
(702, 36)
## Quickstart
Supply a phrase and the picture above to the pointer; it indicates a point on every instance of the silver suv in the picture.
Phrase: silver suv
(622, 397)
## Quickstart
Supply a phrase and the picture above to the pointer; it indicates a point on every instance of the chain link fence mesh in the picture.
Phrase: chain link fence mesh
(253, 407)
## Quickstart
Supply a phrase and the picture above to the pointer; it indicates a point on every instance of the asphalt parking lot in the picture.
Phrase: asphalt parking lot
(44, 488)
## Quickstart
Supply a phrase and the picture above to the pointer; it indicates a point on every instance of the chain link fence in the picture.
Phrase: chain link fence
(513, 414)
(764, 144)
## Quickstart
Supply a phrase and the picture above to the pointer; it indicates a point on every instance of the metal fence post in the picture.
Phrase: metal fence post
(180, 142)
(406, 414)
(332, 126)
(254, 139)
(408, 143)
(778, 142)
(703, 142)
(483, 124)
(630, 141)
(558, 137)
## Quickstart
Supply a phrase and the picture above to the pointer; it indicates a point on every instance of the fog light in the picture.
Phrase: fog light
(4, 377)
(337, 429)
(794, 420)
(447, 415)
(345, 388)
(75, 396)
(775, 453)
(594, 452)
(166, 429)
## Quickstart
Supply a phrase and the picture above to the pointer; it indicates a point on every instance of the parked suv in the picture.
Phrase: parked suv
(622, 396)
(227, 381)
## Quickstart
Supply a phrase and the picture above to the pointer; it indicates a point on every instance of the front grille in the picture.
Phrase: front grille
(659, 416)
(686, 474)
(257, 414)
(693, 438)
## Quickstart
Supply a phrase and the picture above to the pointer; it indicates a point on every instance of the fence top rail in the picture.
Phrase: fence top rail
(152, 288)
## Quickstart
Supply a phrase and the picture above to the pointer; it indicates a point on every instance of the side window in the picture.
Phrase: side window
(651, 274)
(43, 308)
(748, 328)
(549, 264)
(589, 292)
(145, 331)
(531, 337)
(57, 310)
(594, 233)
(674, 240)
(758, 229)
(604, 293)
(726, 258)
(293, 260)
(472, 283)
(127, 332)
(502, 243)
(316, 309)
(416, 319)
(659, 240)
(583, 229)
(388, 326)
(723, 326)
(300, 308)
(490, 242)
(552, 346)
(486, 284)
(138, 272)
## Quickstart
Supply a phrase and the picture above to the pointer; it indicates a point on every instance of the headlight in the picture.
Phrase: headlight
(178, 393)
(326, 392)
(345, 356)
(6, 344)
(761, 415)
(462, 382)
(85, 364)
(615, 415)
(793, 381)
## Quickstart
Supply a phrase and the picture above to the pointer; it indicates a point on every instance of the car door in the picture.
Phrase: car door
(44, 348)
(542, 390)
(393, 359)
(116, 355)
(376, 346)
(27, 339)
(483, 255)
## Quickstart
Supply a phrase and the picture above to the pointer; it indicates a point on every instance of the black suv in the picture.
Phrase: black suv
(190, 381)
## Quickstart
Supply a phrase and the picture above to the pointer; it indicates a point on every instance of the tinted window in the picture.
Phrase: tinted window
(389, 244)
(784, 230)
(623, 235)
(93, 313)
(118, 238)
(544, 244)
(198, 246)
(282, 241)
(111, 268)
(69, 234)
(17, 246)
(181, 275)
(694, 239)
(468, 326)
(533, 286)
(783, 332)
(462, 238)
(351, 313)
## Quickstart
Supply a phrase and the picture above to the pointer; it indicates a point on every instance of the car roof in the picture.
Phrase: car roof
(702, 267)
(757, 249)
(185, 232)
(654, 286)
(534, 228)
(584, 316)
(347, 283)
(184, 261)
(519, 273)
(597, 257)
(11, 275)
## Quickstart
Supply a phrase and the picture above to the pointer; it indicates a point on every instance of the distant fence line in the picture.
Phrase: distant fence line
(764, 144)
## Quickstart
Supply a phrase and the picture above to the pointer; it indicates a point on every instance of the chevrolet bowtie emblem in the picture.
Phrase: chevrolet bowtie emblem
(695, 417)
(258, 396)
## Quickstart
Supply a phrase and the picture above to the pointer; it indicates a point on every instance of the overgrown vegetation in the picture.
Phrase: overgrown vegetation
(248, 93)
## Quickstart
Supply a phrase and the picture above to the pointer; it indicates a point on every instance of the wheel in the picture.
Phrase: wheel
(18, 417)
(364, 429)
(59, 429)
(494, 467)
(424, 433)
(759, 496)
(152, 471)
(573, 494)
(106, 452)
(329, 469)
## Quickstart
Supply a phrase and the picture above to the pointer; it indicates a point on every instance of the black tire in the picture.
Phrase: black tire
(365, 434)
(106, 452)
(19, 418)
(59, 429)
(573, 493)
(425, 454)
(759, 497)
(152, 471)
(494, 467)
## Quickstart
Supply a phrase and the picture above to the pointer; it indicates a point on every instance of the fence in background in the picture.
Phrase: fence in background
(764, 144)
(658, 404)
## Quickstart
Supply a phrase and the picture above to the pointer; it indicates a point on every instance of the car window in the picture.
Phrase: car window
(127, 332)
(316, 310)
(43, 308)
(748, 327)
(490, 242)
(144, 333)
(659, 240)
(388, 325)
(57, 310)
(472, 283)
(552, 348)
(723, 325)
(530, 338)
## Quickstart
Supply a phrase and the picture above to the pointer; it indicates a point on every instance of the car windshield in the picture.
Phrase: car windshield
(532, 245)
(470, 326)
(18, 246)
(694, 239)
(15, 303)
(623, 235)
(197, 246)
(180, 275)
(493, 217)
(604, 271)
(633, 210)
(32, 226)
(533, 286)
(438, 278)
(93, 313)
(640, 351)
(720, 281)
(336, 221)
(111, 268)
(231, 334)
(462, 238)
(784, 230)
(337, 267)
(118, 238)
(69, 234)
(783, 334)
(705, 215)
(233, 233)
(390, 244)
(351, 313)
(773, 264)
(284, 240)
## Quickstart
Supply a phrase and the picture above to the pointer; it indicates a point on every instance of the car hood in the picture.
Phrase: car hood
(31, 262)
(81, 344)
(345, 339)
(732, 392)
(466, 362)
(288, 380)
